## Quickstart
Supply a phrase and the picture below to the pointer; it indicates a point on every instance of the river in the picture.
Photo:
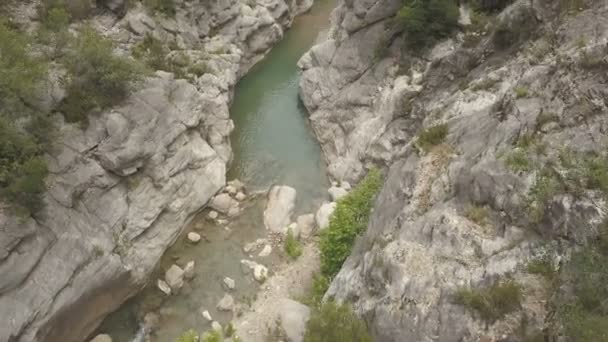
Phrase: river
(272, 144)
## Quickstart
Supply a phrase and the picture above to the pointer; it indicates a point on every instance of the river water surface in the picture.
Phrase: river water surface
(272, 144)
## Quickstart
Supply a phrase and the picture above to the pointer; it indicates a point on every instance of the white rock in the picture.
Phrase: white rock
(229, 283)
(280, 206)
(223, 203)
(324, 213)
(237, 184)
(207, 315)
(226, 303)
(240, 196)
(253, 246)
(102, 338)
(293, 317)
(247, 265)
(216, 326)
(194, 237)
(265, 251)
(175, 277)
(164, 287)
(189, 270)
(260, 273)
(213, 214)
(345, 185)
(230, 190)
(306, 225)
(336, 193)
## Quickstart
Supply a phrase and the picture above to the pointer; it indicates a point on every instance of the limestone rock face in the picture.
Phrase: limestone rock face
(280, 206)
(121, 190)
(421, 245)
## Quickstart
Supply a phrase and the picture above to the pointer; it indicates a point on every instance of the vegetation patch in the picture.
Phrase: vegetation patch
(432, 136)
(333, 322)
(427, 21)
(493, 302)
(348, 220)
(514, 28)
(98, 79)
(293, 247)
(188, 336)
(166, 7)
(477, 214)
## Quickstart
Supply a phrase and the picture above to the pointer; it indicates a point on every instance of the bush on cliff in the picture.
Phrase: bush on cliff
(23, 130)
(347, 222)
(97, 77)
(426, 21)
(332, 322)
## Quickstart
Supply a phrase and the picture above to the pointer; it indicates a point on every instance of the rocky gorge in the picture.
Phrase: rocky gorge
(477, 206)
(121, 190)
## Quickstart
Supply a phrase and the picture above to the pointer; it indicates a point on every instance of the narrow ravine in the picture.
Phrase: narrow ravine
(272, 144)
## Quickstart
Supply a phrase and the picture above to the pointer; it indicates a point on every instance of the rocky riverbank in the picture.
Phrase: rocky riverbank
(470, 211)
(121, 190)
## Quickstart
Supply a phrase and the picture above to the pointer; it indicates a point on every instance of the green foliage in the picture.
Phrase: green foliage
(97, 78)
(229, 330)
(77, 9)
(188, 336)
(432, 136)
(199, 69)
(521, 92)
(166, 7)
(541, 267)
(293, 247)
(489, 5)
(518, 161)
(320, 284)
(212, 336)
(333, 322)
(23, 132)
(545, 187)
(477, 214)
(491, 303)
(152, 52)
(426, 21)
(53, 31)
(348, 220)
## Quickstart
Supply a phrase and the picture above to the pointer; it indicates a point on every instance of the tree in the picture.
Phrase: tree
(425, 21)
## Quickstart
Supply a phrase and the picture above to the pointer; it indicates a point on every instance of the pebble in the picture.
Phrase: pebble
(194, 237)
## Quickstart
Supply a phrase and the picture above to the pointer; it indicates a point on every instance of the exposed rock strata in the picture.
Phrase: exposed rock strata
(121, 191)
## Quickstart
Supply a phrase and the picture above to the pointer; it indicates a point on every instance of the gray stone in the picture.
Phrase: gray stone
(216, 326)
(223, 203)
(207, 315)
(102, 338)
(323, 214)
(194, 237)
(189, 270)
(265, 251)
(213, 215)
(279, 208)
(229, 283)
(293, 317)
(226, 303)
(306, 225)
(174, 278)
(164, 287)
(260, 273)
(240, 196)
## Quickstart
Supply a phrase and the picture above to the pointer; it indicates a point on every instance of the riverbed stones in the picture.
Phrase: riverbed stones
(240, 196)
(207, 315)
(163, 287)
(324, 213)
(194, 237)
(293, 317)
(213, 215)
(265, 251)
(226, 303)
(279, 208)
(102, 338)
(224, 203)
(175, 278)
(189, 270)
(306, 225)
(336, 193)
(229, 283)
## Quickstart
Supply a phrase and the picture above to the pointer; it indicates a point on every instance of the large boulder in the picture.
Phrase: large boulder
(324, 214)
(293, 317)
(279, 208)
(175, 278)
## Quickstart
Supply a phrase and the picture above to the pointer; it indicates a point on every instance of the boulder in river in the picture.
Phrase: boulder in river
(102, 338)
(189, 270)
(229, 283)
(213, 214)
(280, 206)
(260, 273)
(224, 203)
(240, 196)
(175, 277)
(226, 303)
(164, 287)
(194, 237)
(324, 213)
(265, 251)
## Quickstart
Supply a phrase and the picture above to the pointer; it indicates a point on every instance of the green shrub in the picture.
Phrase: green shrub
(426, 21)
(348, 220)
(166, 7)
(53, 31)
(518, 161)
(477, 214)
(521, 92)
(293, 247)
(188, 336)
(199, 69)
(97, 78)
(332, 322)
(432, 136)
(546, 186)
(229, 330)
(541, 267)
(152, 52)
(77, 9)
(320, 284)
(491, 303)
(212, 336)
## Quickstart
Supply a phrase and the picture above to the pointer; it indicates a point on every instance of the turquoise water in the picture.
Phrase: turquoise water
(272, 140)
